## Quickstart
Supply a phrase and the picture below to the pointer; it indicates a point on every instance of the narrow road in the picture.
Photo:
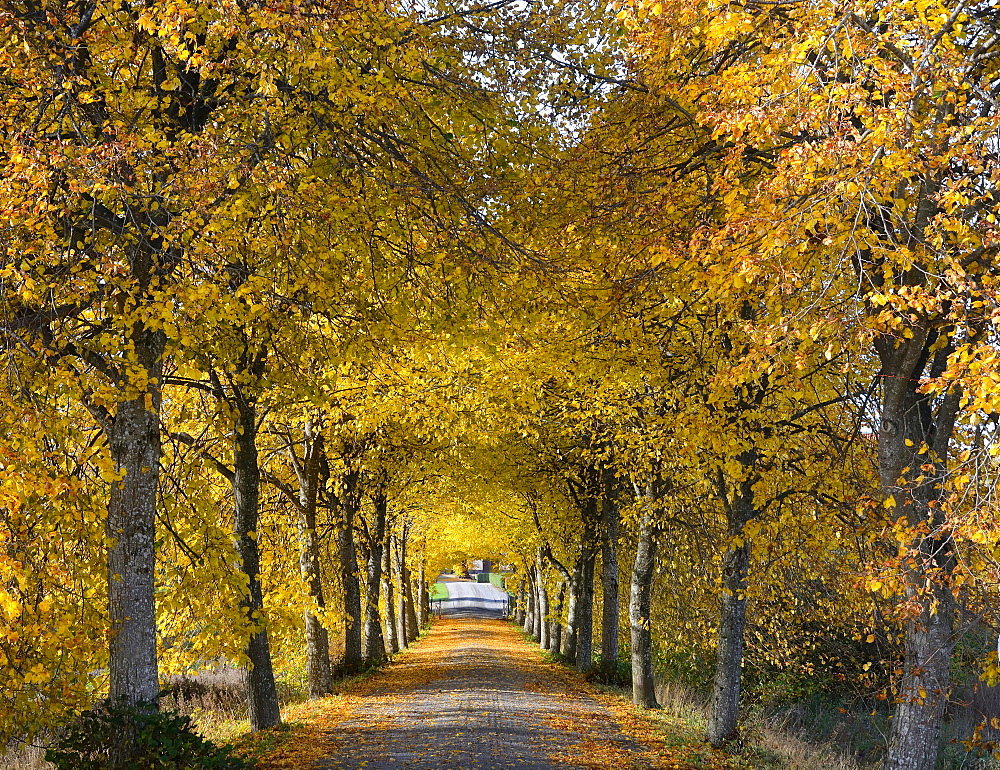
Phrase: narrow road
(474, 600)
(473, 695)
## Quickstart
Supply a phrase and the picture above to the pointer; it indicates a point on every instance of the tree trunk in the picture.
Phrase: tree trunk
(374, 643)
(406, 579)
(915, 733)
(397, 568)
(569, 632)
(555, 633)
(609, 580)
(521, 608)
(643, 690)
(262, 694)
(349, 575)
(536, 620)
(723, 720)
(318, 674)
(404, 609)
(134, 443)
(529, 610)
(585, 614)
(913, 444)
(423, 607)
(543, 602)
(391, 629)
(724, 711)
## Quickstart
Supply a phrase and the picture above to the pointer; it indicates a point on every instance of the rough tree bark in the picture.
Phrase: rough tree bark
(641, 588)
(392, 644)
(409, 612)
(585, 613)
(134, 443)
(347, 506)
(308, 471)
(724, 711)
(397, 571)
(529, 610)
(913, 443)
(569, 631)
(423, 607)
(609, 578)
(262, 694)
(543, 601)
(555, 634)
(583, 621)
(557, 637)
(374, 643)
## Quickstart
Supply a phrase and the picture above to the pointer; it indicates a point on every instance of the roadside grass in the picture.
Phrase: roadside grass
(439, 591)
(675, 731)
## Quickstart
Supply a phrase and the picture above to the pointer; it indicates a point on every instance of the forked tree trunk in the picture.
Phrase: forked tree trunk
(913, 444)
(374, 643)
(609, 580)
(262, 694)
(349, 575)
(640, 593)
(318, 674)
(134, 443)
(391, 629)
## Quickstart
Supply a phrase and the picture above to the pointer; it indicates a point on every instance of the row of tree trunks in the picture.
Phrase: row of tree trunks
(402, 623)
(401, 616)
(575, 591)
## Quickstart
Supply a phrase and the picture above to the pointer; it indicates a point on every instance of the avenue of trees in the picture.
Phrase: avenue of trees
(684, 310)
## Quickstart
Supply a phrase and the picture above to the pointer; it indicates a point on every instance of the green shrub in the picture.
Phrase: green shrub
(618, 675)
(119, 737)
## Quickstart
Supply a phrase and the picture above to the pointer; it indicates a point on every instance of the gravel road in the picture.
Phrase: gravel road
(474, 696)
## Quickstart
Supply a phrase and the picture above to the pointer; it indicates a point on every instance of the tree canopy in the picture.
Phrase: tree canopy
(683, 305)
